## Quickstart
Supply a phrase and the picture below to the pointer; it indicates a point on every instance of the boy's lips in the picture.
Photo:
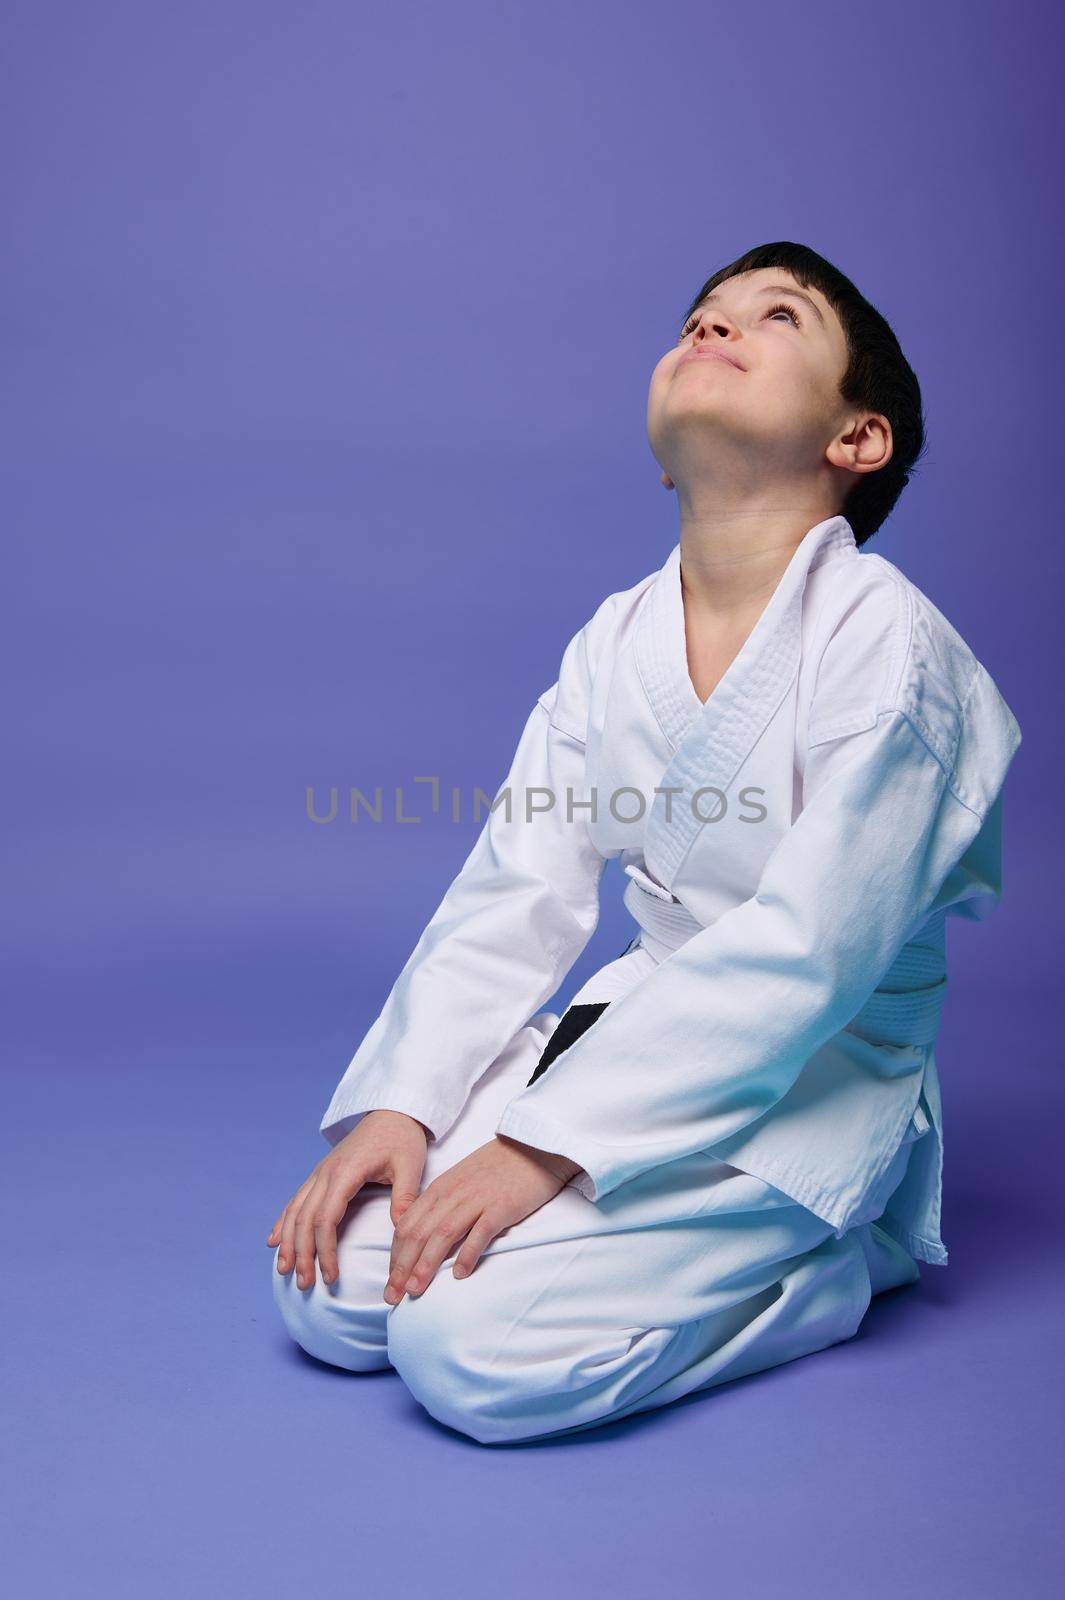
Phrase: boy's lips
(710, 355)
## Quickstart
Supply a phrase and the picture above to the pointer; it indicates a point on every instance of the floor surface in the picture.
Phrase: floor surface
(170, 1440)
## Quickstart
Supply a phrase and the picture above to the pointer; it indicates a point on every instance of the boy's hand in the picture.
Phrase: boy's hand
(494, 1187)
(385, 1147)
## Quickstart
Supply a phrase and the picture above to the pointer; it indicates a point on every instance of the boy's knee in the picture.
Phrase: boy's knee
(427, 1345)
(448, 1357)
(473, 1362)
(327, 1327)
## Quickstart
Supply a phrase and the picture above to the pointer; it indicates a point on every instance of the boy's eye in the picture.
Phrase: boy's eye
(784, 307)
(693, 320)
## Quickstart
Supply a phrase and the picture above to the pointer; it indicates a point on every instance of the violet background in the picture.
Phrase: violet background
(327, 335)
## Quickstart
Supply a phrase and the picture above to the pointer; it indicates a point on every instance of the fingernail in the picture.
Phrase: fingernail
(460, 1272)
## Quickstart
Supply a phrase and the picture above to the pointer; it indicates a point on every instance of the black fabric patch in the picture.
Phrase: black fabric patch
(571, 1025)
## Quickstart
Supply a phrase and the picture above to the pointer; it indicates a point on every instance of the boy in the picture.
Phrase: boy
(732, 1139)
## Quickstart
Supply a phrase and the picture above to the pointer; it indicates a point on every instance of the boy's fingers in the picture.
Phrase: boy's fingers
(325, 1234)
(405, 1252)
(478, 1239)
(406, 1180)
(337, 1196)
(426, 1267)
(416, 1267)
(305, 1242)
(286, 1254)
(402, 1200)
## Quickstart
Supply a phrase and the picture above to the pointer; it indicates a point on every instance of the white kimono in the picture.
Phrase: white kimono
(795, 845)
(754, 1105)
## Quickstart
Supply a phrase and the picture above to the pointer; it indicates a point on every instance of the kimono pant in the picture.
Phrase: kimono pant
(683, 1278)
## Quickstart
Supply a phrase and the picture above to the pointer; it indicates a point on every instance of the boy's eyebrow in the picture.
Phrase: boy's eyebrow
(775, 288)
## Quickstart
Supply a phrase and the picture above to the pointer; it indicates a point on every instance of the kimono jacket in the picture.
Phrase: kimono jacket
(795, 845)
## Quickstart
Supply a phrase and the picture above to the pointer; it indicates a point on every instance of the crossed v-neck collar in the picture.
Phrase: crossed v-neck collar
(661, 650)
(710, 741)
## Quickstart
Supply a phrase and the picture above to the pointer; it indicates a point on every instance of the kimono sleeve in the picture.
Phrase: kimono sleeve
(721, 1029)
(515, 918)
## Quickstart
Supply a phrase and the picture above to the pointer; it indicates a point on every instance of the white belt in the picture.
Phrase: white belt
(905, 1007)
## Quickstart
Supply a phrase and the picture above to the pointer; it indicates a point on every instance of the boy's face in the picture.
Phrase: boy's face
(777, 409)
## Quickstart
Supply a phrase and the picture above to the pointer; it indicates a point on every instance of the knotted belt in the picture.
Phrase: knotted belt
(905, 1007)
